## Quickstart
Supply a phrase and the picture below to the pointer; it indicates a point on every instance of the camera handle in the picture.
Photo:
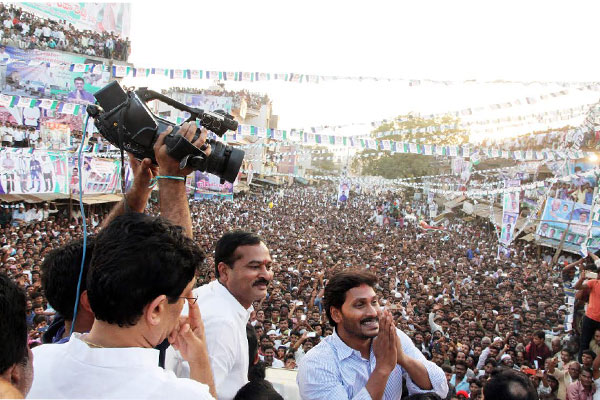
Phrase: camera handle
(177, 146)
(146, 95)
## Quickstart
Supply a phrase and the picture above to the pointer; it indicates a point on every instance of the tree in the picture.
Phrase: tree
(324, 160)
(396, 165)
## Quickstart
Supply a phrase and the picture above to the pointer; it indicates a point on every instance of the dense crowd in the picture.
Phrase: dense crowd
(254, 100)
(543, 140)
(27, 31)
(464, 308)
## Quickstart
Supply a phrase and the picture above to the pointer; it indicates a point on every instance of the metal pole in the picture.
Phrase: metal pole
(562, 239)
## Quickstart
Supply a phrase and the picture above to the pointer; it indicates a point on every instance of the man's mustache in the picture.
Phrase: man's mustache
(373, 319)
(261, 281)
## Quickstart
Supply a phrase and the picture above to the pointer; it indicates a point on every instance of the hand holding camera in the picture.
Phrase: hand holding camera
(167, 164)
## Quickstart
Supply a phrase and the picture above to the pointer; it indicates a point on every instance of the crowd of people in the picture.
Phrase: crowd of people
(464, 309)
(24, 30)
(543, 140)
(253, 100)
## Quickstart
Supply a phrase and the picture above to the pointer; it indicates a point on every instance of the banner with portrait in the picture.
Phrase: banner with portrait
(209, 187)
(56, 136)
(29, 171)
(48, 74)
(343, 191)
(510, 212)
(99, 175)
(571, 219)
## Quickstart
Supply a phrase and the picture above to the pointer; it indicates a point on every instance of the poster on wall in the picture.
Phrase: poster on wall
(29, 171)
(209, 187)
(571, 219)
(56, 136)
(98, 175)
(47, 74)
(510, 212)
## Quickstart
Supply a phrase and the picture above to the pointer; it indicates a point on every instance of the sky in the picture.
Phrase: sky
(439, 40)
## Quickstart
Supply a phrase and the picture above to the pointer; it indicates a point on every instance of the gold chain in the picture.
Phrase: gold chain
(91, 344)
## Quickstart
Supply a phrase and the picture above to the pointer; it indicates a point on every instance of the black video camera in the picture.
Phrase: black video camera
(124, 119)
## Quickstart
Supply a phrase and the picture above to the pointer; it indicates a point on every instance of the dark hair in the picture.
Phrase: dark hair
(588, 370)
(460, 362)
(540, 334)
(258, 390)
(228, 244)
(252, 345)
(423, 396)
(78, 79)
(61, 269)
(589, 353)
(13, 324)
(136, 259)
(446, 368)
(39, 318)
(339, 284)
(509, 384)
(490, 360)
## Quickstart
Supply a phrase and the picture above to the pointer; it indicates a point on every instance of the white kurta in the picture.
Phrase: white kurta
(225, 322)
(75, 370)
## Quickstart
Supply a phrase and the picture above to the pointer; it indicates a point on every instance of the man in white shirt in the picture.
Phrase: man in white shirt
(19, 216)
(46, 31)
(145, 265)
(140, 275)
(243, 271)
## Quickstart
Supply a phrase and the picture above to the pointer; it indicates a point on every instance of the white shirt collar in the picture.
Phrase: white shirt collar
(239, 309)
(111, 357)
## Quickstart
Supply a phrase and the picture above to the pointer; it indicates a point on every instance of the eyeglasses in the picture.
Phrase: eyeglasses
(192, 300)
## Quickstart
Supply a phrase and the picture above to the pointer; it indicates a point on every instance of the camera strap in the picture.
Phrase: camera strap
(120, 136)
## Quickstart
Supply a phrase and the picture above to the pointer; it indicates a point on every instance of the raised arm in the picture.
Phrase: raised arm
(139, 193)
(174, 204)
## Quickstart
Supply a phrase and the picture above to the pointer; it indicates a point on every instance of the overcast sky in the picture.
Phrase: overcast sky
(445, 40)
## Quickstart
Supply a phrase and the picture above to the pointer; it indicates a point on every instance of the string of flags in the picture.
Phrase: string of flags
(121, 71)
(475, 193)
(62, 107)
(331, 140)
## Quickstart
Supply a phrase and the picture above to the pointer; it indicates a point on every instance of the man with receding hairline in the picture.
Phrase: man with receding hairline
(243, 272)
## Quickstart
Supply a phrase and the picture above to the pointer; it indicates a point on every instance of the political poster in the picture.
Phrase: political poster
(29, 171)
(48, 74)
(209, 187)
(56, 136)
(510, 212)
(343, 191)
(98, 175)
(98, 17)
(562, 216)
(209, 102)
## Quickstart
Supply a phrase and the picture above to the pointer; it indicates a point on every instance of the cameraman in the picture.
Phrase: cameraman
(140, 276)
